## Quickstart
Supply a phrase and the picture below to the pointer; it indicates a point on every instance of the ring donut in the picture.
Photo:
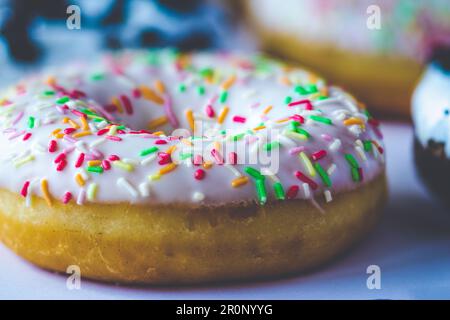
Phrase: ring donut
(168, 168)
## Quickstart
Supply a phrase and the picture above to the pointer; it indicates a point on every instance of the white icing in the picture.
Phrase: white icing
(30, 160)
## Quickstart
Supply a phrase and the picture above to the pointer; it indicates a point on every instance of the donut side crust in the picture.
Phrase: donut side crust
(127, 243)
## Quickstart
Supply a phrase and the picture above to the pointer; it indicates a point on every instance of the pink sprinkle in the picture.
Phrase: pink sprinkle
(52, 146)
(106, 164)
(198, 160)
(127, 104)
(199, 174)
(297, 117)
(60, 157)
(164, 158)
(169, 111)
(306, 102)
(61, 165)
(102, 132)
(296, 150)
(113, 158)
(27, 136)
(210, 111)
(232, 158)
(217, 156)
(69, 130)
(160, 141)
(318, 155)
(80, 160)
(78, 113)
(24, 191)
(137, 93)
(113, 138)
(97, 153)
(16, 135)
(69, 138)
(239, 119)
(61, 109)
(76, 94)
(69, 150)
(67, 197)
(81, 197)
(327, 137)
(17, 119)
(292, 192)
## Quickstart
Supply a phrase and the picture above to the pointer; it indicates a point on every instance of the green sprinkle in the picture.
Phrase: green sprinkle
(323, 174)
(31, 122)
(279, 191)
(223, 97)
(300, 90)
(207, 72)
(184, 156)
(238, 136)
(294, 125)
(351, 160)
(97, 76)
(310, 88)
(270, 146)
(367, 113)
(148, 151)
(322, 98)
(63, 100)
(355, 174)
(367, 145)
(121, 127)
(288, 99)
(254, 173)
(95, 169)
(49, 93)
(182, 88)
(303, 132)
(261, 191)
(223, 132)
(321, 119)
(201, 90)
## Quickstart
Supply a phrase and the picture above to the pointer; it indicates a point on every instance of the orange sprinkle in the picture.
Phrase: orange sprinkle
(282, 120)
(167, 169)
(217, 145)
(79, 179)
(259, 128)
(151, 95)
(159, 85)
(94, 163)
(239, 181)
(171, 149)
(351, 121)
(187, 142)
(51, 80)
(223, 114)
(285, 80)
(81, 134)
(190, 119)
(229, 82)
(267, 110)
(158, 133)
(84, 123)
(59, 135)
(45, 192)
(56, 131)
(116, 102)
(207, 164)
(157, 122)
(73, 124)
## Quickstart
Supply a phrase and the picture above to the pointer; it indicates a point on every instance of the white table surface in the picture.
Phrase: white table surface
(411, 245)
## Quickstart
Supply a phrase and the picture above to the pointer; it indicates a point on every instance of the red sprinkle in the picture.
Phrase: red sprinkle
(67, 197)
(69, 130)
(232, 158)
(306, 102)
(305, 179)
(127, 104)
(199, 174)
(102, 132)
(137, 93)
(106, 164)
(24, 191)
(113, 158)
(60, 157)
(297, 117)
(239, 119)
(318, 155)
(361, 177)
(80, 160)
(160, 141)
(164, 158)
(52, 146)
(114, 138)
(210, 111)
(27, 136)
(292, 192)
(61, 165)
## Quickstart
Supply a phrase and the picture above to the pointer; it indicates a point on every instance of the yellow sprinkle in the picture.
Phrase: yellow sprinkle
(207, 164)
(217, 146)
(259, 128)
(267, 110)
(282, 120)
(295, 135)
(81, 134)
(92, 191)
(84, 123)
(159, 133)
(351, 121)
(229, 82)
(187, 142)
(159, 85)
(190, 119)
(151, 95)
(157, 122)
(239, 181)
(122, 165)
(79, 179)
(223, 114)
(94, 163)
(116, 102)
(308, 164)
(56, 131)
(73, 124)
(45, 192)
(112, 130)
(59, 135)
(167, 169)
(171, 149)
(154, 177)
(21, 162)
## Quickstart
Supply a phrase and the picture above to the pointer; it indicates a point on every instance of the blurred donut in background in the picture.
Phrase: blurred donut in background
(376, 49)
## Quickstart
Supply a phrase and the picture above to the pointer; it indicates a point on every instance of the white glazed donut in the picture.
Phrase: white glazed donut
(87, 136)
